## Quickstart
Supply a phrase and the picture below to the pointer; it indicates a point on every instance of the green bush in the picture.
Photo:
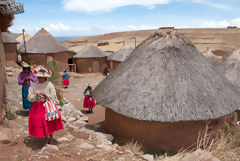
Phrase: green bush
(56, 80)
(30, 62)
(10, 115)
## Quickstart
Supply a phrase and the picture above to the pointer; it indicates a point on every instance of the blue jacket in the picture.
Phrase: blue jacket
(65, 76)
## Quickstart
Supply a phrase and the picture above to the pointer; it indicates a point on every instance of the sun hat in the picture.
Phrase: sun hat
(40, 71)
(25, 64)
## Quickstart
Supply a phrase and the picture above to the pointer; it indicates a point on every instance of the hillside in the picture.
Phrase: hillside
(220, 40)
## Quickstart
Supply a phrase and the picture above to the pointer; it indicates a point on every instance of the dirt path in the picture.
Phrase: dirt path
(78, 141)
(74, 94)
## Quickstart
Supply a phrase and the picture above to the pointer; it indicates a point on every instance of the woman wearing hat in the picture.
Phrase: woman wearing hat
(24, 79)
(39, 93)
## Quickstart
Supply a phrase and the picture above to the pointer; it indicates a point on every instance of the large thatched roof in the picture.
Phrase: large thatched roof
(121, 54)
(229, 66)
(90, 52)
(167, 79)
(212, 58)
(8, 38)
(44, 43)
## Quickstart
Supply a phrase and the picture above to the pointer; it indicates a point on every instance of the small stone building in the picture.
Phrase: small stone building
(43, 48)
(164, 94)
(10, 47)
(118, 57)
(90, 60)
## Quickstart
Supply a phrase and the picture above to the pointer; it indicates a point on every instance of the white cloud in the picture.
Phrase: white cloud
(108, 5)
(219, 24)
(96, 6)
(58, 27)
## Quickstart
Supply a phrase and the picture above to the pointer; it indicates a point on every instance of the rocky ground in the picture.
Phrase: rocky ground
(78, 140)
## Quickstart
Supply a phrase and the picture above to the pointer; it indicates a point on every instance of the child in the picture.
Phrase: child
(89, 102)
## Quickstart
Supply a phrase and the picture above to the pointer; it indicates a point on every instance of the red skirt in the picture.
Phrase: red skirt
(37, 124)
(66, 82)
(88, 102)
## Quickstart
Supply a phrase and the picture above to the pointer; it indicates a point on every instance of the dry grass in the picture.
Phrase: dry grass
(176, 157)
(135, 147)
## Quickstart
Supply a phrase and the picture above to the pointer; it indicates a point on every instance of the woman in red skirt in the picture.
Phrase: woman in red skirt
(38, 94)
(89, 102)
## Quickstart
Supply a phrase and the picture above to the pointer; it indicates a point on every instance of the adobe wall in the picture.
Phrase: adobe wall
(39, 59)
(85, 65)
(114, 64)
(10, 53)
(62, 60)
(2, 80)
(169, 137)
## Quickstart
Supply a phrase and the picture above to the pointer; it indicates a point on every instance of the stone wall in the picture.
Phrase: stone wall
(10, 53)
(2, 80)
(85, 65)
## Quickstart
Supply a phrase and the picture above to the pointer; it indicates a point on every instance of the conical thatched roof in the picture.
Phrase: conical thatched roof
(229, 66)
(212, 58)
(167, 79)
(121, 54)
(43, 43)
(90, 52)
(8, 38)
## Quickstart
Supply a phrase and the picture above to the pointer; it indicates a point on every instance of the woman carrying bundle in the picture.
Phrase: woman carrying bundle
(89, 102)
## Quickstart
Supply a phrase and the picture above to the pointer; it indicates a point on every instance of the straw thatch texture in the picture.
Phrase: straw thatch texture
(229, 66)
(90, 52)
(43, 43)
(121, 54)
(212, 58)
(167, 79)
(8, 38)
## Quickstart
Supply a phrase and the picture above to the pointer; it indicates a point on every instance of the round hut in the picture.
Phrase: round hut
(118, 57)
(90, 60)
(210, 56)
(229, 66)
(43, 48)
(164, 93)
(10, 48)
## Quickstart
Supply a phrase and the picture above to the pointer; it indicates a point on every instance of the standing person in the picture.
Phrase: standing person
(89, 102)
(65, 78)
(39, 93)
(24, 79)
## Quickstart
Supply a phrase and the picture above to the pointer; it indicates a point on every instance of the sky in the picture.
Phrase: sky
(94, 17)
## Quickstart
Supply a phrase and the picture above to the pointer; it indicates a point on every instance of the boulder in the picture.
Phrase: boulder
(148, 157)
(102, 136)
(199, 155)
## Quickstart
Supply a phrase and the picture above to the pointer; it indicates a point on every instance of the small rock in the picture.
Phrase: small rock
(72, 126)
(199, 155)
(5, 136)
(102, 136)
(71, 119)
(63, 139)
(78, 153)
(129, 151)
(120, 152)
(148, 157)
(79, 122)
(50, 147)
(105, 147)
(86, 146)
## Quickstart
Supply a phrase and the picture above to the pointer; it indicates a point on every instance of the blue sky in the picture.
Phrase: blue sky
(93, 17)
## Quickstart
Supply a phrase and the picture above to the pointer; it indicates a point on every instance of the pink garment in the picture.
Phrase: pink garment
(22, 76)
(38, 126)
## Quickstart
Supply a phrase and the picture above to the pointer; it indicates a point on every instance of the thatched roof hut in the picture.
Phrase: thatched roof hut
(43, 47)
(10, 48)
(229, 66)
(211, 57)
(166, 84)
(90, 59)
(121, 54)
(118, 57)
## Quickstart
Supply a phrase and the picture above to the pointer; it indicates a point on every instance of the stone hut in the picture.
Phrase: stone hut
(211, 57)
(118, 57)
(90, 60)
(7, 10)
(164, 94)
(10, 48)
(43, 48)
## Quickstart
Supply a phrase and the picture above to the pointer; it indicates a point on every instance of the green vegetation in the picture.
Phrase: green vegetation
(56, 80)
(10, 115)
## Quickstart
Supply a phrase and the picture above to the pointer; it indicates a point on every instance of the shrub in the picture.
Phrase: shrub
(56, 80)
(10, 115)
